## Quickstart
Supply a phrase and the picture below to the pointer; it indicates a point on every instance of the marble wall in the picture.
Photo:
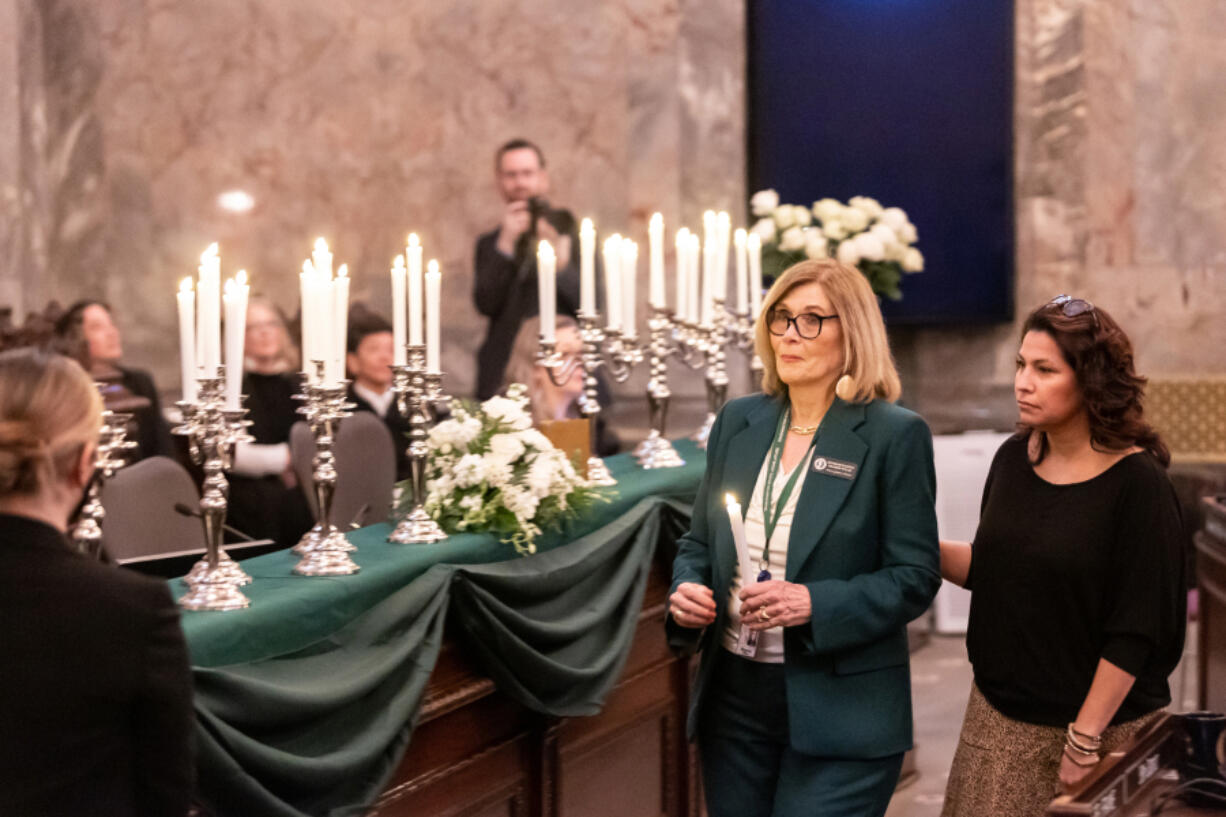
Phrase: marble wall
(360, 120)
(122, 120)
(1120, 146)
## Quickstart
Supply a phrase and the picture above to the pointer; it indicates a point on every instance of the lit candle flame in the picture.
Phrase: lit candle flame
(398, 262)
(321, 245)
(308, 268)
(185, 285)
(241, 278)
(729, 499)
(586, 227)
(432, 267)
(657, 221)
(208, 254)
(545, 250)
(414, 241)
(343, 272)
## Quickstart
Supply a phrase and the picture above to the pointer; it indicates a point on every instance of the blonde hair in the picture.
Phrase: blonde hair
(287, 357)
(49, 410)
(866, 350)
(523, 368)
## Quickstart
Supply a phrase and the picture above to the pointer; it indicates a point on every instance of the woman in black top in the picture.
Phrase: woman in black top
(1078, 606)
(266, 501)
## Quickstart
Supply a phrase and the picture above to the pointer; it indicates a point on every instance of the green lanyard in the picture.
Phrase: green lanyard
(772, 509)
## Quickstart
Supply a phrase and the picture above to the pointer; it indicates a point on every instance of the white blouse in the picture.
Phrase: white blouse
(770, 642)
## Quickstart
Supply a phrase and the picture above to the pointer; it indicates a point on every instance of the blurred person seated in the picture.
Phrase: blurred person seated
(95, 695)
(87, 333)
(368, 365)
(547, 400)
(265, 500)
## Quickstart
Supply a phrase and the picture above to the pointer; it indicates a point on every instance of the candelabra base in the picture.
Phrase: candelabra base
(704, 432)
(598, 473)
(328, 557)
(214, 591)
(659, 453)
(417, 529)
(227, 568)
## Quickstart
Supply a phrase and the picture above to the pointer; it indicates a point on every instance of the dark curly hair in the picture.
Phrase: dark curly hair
(1113, 394)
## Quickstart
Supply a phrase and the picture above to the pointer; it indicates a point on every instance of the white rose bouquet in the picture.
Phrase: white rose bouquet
(879, 241)
(490, 470)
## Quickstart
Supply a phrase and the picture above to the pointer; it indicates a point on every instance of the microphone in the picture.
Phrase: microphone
(187, 510)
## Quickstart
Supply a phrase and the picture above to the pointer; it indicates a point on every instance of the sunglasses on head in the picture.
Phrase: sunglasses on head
(1071, 307)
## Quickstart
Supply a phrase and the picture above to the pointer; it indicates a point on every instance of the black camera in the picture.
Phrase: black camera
(538, 208)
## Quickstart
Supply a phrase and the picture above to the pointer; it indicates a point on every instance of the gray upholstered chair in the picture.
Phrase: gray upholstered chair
(365, 468)
(140, 510)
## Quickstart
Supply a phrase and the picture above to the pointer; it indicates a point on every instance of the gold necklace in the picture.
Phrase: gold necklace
(803, 429)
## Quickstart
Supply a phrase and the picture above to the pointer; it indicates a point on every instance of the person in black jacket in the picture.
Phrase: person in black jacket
(87, 332)
(368, 364)
(504, 280)
(95, 687)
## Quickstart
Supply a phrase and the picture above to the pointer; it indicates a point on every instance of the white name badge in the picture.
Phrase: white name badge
(747, 642)
(835, 468)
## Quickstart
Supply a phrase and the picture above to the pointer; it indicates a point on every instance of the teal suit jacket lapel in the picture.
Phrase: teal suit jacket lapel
(743, 457)
(823, 494)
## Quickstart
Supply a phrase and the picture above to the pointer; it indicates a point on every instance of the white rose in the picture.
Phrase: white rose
(908, 234)
(802, 215)
(793, 239)
(884, 233)
(816, 245)
(508, 411)
(785, 217)
(848, 254)
(506, 447)
(541, 476)
(828, 210)
(855, 220)
(869, 247)
(497, 472)
(894, 218)
(870, 207)
(765, 229)
(894, 251)
(764, 202)
(913, 261)
(533, 438)
(834, 229)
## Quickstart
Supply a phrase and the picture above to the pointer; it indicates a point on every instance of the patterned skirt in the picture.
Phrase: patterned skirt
(1008, 767)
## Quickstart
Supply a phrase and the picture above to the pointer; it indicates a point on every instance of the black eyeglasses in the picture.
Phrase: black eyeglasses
(1071, 307)
(808, 324)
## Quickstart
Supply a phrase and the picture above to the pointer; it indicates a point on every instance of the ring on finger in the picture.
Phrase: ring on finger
(763, 615)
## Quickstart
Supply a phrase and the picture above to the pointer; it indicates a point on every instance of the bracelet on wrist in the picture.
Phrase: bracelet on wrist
(1082, 741)
(1091, 759)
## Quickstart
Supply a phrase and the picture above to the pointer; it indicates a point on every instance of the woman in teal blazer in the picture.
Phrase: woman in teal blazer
(802, 702)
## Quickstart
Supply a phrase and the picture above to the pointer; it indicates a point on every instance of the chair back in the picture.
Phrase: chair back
(365, 468)
(141, 519)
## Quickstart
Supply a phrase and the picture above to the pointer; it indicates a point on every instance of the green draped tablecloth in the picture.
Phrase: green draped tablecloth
(306, 700)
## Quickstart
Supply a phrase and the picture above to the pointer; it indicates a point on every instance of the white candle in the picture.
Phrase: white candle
(399, 357)
(208, 312)
(742, 272)
(587, 267)
(321, 258)
(723, 234)
(546, 270)
(707, 312)
(748, 574)
(612, 281)
(413, 256)
(235, 300)
(340, 324)
(681, 247)
(306, 310)
(753, 249)
(708, 226)
(655, 237)
(629, 274)
(434, 281)
(187, 339)
(691, 277)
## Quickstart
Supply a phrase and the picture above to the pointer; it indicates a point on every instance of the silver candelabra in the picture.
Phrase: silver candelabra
(113, 446)
(417, 391)
(741, 330)
(657, 451)
(212, 431)
(601, 347)
(324, 548)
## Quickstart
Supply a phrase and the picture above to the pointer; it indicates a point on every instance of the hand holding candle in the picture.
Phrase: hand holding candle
(749, 573)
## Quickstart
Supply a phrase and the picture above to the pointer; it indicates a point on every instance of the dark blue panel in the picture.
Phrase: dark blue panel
(907, 101)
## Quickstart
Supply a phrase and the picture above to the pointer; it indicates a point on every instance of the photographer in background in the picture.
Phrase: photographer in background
(504, 283)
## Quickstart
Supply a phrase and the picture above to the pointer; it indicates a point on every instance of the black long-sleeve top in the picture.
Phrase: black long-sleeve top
(505, 291)
(1065, 575)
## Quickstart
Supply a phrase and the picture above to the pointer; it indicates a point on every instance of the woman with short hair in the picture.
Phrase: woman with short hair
(802, 701)
(95, 695)
(1077, 573)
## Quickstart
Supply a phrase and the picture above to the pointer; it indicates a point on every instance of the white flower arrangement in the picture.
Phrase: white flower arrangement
(490, 470)
(876, 240)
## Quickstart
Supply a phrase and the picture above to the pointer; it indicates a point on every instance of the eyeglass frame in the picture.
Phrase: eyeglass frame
(794, 321)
